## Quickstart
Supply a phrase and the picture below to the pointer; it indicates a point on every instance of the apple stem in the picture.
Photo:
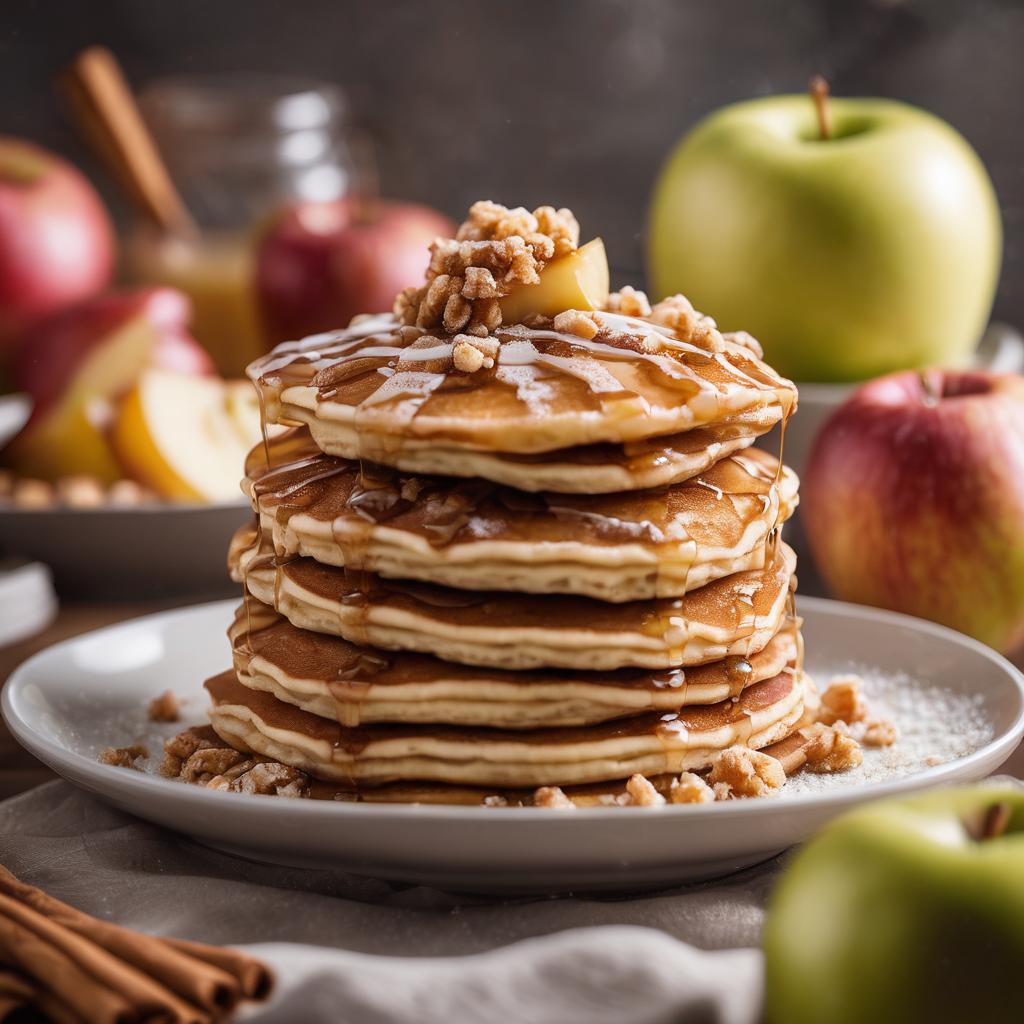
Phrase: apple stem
(819, 90)
(997, 817)
(932, 394)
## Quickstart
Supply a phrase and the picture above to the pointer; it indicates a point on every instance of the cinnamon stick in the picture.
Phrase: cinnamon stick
(96, 971)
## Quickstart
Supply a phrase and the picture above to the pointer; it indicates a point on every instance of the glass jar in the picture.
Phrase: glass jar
(238, 147)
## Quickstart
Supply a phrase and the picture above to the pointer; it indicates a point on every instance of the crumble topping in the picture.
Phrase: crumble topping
(690, 788)
(831, 748)
(578, 322)
(124, 757)
(164, 708)
(553, 797)
(741, 772)
(628, 301)
(843, 701)
(677, 313)
(494, 251)
(642, 793)
(880, 733)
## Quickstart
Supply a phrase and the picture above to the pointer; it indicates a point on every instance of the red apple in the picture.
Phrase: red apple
(51, 353)
(913, 499)
(78, 367)
(56, 240)
(319, 264)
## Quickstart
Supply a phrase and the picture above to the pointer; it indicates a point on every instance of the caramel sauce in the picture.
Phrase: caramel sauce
(398, 388)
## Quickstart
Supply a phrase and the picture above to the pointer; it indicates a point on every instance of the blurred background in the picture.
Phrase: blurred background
(575, 102)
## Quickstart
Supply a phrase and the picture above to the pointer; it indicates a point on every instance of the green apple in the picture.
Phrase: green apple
(908, 910)
(873, 249)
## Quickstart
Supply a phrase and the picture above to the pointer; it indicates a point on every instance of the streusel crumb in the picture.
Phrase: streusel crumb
(495, 251)
(677, 313)
(831, 748)
(690, 788)
(578, 322)
(642, 793)
(879, 732)
(741, 772)
(164, 708)
(124, 757)
(553, 797)
(628, 301)
(843, 701)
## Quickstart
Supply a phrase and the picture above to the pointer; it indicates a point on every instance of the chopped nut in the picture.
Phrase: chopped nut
(271, 778)
(468, 358)
(747, 341)
(879, 732)
(575, 321)
(80, 491)
(629, 302)
(642, 793)
(164, 708)
(33, 494)
(933, 759)
(208, 762)
(739, 771)
(831, 748)
(123, 757)
(494, 251)
(690, 788)
(553, 797)
(677, 313)
(843, 701)
(495, 801)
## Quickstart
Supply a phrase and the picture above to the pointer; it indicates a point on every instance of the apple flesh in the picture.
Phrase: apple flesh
(875, 250)
(56, 240)
(906, 910)
(176, 434)
(913, 499)
(320, 264)
(81, 363)
(576, 281)
(52, 357)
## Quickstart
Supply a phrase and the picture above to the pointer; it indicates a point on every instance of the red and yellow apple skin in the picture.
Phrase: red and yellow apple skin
(52, 355)
(56, 240)
(913, 500)
(81, 363)
(320, 264)
(900, 911)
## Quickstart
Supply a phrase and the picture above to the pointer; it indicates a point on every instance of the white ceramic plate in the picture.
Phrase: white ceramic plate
(72, 700)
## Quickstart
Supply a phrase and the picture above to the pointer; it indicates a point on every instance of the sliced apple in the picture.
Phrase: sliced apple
(175, 434)
(577, 281)
(69, 440)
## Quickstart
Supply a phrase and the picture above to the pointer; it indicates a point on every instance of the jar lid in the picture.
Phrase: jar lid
(231, 102)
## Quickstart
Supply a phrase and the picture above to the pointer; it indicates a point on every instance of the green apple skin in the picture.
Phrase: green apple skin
(894, 912)
(875, 250)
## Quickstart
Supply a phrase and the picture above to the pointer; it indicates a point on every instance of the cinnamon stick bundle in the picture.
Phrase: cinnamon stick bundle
(71, 968)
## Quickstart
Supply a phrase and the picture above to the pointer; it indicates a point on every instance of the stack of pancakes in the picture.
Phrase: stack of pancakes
(558, 570)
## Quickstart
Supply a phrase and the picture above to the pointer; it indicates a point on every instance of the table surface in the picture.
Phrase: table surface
(19, 770)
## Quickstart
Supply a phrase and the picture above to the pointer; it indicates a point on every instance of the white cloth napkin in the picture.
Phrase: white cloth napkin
(583, 976)
(358, 950)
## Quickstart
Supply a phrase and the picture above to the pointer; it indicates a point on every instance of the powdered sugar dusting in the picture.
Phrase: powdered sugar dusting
(935, 726)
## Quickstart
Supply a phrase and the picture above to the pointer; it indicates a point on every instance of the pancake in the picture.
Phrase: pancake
(595, 468)
(478, 536)
(647, 744)
(330, 677)
(789, 752)
(736, 615)
(372, 389)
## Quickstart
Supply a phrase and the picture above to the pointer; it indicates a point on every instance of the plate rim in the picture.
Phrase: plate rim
(63, 760)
